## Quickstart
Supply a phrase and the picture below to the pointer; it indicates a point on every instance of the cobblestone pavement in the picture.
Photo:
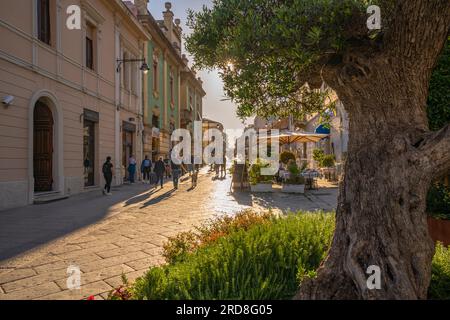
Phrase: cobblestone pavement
(110, 236)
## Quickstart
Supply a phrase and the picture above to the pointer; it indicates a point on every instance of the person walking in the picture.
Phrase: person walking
(160, 169)
(146, 169)
(194, 177)
(108, 175)
(176, 173)
(168, 172)
(217, 168)
(223, 168)
(131, 168)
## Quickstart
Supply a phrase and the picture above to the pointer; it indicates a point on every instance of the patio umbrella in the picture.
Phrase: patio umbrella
(293, 137)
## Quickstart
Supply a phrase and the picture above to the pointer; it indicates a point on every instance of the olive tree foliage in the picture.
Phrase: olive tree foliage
(268, 49)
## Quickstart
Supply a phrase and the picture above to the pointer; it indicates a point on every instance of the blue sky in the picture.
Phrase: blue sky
(214, 108)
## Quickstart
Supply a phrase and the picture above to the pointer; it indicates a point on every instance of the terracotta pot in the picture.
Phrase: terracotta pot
(439, 230)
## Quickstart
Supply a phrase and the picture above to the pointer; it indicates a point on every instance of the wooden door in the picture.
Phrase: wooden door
(43, 148)
(89, 153)
(127, 151)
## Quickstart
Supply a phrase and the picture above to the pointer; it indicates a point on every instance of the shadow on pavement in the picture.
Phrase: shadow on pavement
(158, 199)
(25, 228)
(139, 198)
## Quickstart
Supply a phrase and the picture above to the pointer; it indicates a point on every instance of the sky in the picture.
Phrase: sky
(214, 107)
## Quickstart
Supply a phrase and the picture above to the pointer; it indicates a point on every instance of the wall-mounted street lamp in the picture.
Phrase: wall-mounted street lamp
(144, 68)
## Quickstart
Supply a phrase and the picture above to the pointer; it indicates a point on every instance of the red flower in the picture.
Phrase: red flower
(91, 298)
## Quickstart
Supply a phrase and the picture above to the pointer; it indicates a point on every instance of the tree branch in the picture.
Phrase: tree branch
(434, 152)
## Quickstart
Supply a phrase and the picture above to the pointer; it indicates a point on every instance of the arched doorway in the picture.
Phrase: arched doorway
(42, 147)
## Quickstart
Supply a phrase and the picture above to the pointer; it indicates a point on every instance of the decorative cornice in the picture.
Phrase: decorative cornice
(92, 12)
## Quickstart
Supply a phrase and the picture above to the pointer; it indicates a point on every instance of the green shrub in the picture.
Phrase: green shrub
(293, 168)
(178, 248)
(440, 274)
(264, 262)
(438, 109)
(253, 256)
(286, 156)
(254, 174)
(318, 155)
(327, 161)
(294, 177)
(438, 201)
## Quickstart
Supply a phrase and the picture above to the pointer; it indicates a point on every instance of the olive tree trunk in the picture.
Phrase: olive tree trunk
(392, 159)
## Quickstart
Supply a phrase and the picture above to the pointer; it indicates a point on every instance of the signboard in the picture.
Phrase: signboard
(128, 127)
(240, 176)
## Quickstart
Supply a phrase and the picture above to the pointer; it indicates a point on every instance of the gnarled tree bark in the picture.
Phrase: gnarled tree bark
(392, 159)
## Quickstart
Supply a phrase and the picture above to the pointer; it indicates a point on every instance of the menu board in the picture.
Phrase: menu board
(240, 176)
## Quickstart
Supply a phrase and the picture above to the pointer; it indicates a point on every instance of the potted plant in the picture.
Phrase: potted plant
(286, 156)
(259, 182)
(318, 155)
(438, 208)
(295, 183)
(327, 164)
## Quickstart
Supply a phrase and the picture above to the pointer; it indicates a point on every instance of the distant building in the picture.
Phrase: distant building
(209, 124)
(336, 143)
(192, 95)
(174, 94)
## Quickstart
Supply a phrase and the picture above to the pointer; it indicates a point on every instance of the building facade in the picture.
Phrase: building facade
(191, 96)
(337, 141)
(337, 130)
(169, 84)
(74, 102)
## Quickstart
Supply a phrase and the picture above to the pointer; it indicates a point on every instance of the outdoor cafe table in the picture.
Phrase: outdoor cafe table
(310, 177)
(284, 174)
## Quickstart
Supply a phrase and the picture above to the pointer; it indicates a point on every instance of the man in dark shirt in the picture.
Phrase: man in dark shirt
(107, 174)
(160, 169)
(176, 173)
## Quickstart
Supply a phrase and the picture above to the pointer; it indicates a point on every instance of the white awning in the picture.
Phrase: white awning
(293, 137)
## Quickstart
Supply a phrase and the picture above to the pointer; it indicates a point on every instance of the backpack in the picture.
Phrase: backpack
(106, 168)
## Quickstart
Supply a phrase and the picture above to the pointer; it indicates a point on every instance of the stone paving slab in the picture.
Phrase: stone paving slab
(34, 292)
(16, 275)
(34, 281)
(123, 234)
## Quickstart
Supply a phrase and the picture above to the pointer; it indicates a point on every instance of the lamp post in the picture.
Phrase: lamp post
(144, 67)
